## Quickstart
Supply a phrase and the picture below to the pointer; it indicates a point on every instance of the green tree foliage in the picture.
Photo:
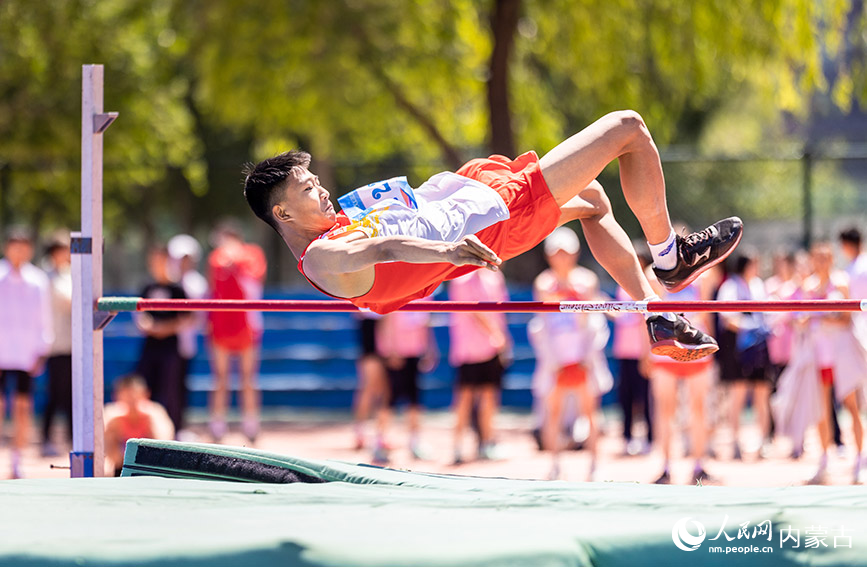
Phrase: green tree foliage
(42, 48)
(377, 87)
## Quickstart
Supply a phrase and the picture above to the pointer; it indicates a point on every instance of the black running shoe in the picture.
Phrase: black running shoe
(678, 339)
(699, 251)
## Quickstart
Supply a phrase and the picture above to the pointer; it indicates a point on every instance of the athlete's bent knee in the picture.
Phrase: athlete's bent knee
(630, 124)
(595, 195)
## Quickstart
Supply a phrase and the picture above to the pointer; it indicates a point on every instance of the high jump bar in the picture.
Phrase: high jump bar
(115, 304)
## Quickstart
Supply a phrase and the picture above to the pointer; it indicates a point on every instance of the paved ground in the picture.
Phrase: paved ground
(320, 435)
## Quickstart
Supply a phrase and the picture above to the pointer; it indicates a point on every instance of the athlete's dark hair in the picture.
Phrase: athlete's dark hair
(263, 180)
(852, 236)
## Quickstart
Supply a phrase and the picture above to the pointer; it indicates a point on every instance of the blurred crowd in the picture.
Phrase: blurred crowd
(151, 400)
(790, 374)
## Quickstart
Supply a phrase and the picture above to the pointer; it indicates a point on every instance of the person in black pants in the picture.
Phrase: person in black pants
(160, 362)
(59, 361)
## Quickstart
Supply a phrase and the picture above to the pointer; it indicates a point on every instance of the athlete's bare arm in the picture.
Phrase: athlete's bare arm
(345, 266)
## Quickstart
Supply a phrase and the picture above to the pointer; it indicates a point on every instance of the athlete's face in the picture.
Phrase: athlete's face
(305, 203)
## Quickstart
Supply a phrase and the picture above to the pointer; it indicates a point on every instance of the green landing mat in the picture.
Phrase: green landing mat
(338, 514)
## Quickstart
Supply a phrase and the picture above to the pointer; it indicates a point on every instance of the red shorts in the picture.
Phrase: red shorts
(231, 331)
(533, 212)
(571, 376)
(826, 375)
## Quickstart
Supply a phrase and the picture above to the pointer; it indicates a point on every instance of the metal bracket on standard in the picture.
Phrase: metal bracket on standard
(101, 122)
(81, 464)
(101, 319)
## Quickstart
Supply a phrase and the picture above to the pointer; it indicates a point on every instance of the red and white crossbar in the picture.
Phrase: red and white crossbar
(828, 305)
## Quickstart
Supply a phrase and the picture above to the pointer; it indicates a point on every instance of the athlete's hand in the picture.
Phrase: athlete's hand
(470, 251)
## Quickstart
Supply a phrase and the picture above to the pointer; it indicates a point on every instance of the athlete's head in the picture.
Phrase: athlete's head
(283, 193)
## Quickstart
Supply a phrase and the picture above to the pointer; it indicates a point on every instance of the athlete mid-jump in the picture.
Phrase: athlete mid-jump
(381, 253)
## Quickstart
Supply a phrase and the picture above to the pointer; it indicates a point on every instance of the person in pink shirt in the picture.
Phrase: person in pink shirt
(404, 341)
(26, 333)
(479, 348)
(783, 285)
(696, 376)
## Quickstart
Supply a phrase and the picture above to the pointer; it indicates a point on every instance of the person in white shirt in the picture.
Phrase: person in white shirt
(569, 347)
(60, 357)
(25, 332)
(745, 361)
(185, 253)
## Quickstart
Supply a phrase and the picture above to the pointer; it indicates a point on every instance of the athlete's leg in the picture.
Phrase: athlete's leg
(608, 242)
(573, 164)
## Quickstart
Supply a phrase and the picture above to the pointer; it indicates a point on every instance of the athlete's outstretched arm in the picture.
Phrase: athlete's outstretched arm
(345, 256)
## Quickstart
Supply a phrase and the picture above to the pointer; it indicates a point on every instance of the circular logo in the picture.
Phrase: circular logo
(685, 540)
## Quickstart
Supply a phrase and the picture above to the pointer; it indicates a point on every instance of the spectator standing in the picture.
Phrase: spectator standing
(479, 350)
(160, 362)
(236, 270)
(784, 284)
(697, 376)
(60, 357)
(629, 348)
(404, 341)
(572, 341)
(26, 330)
(840, 358)
(745, 362)
(372, 392)
(185, 252)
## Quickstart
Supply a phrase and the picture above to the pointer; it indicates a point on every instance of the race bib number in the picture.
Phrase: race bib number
(355, 203)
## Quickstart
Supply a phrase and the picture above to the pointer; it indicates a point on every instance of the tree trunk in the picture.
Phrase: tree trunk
(504, 24)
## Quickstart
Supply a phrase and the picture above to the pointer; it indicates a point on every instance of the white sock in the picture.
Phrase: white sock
(664, 253)
(648, 314)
